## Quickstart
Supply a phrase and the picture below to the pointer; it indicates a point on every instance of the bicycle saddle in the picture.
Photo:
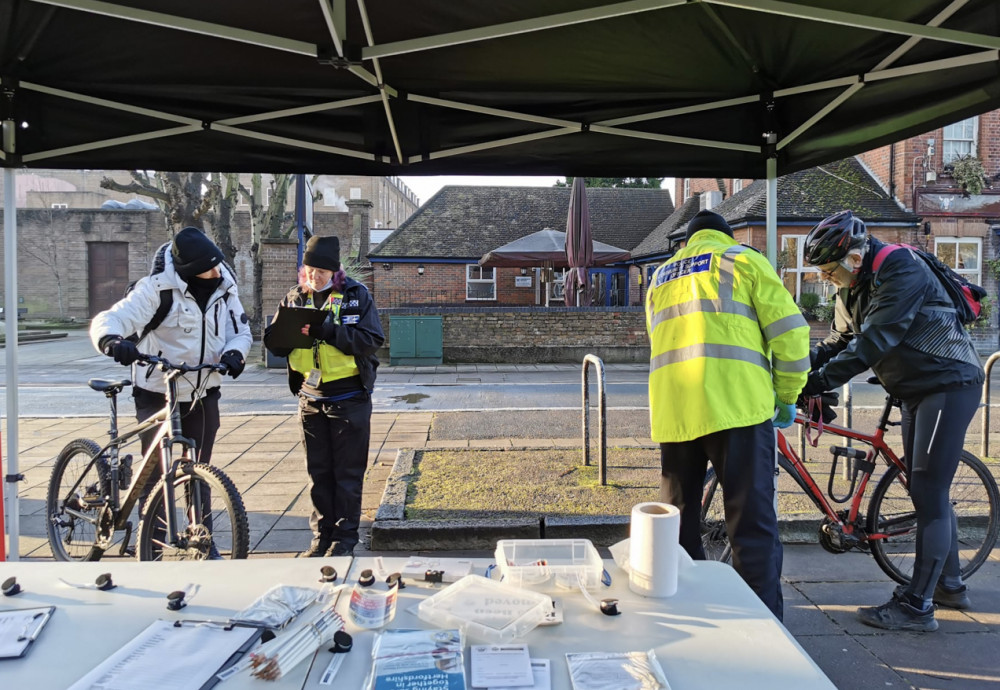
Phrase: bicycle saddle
(105, 386)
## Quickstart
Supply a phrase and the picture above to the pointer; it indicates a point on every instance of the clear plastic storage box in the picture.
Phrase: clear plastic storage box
(485, 609)
(549, 564)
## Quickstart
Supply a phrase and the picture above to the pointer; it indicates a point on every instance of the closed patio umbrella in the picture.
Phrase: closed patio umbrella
(579, 246)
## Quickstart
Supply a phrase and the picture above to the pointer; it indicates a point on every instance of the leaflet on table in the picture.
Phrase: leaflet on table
(541, 677)
(620, 670)
(500, 665)
(418, 660)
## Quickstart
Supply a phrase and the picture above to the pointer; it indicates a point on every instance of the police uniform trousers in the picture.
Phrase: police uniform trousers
(744, 461)
(335, 436)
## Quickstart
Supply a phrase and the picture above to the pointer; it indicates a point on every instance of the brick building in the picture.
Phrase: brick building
(432, 259)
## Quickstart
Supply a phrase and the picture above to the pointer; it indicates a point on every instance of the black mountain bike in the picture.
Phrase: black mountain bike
(193, 513)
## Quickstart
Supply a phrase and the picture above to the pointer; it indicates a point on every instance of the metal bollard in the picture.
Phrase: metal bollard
(601, 419)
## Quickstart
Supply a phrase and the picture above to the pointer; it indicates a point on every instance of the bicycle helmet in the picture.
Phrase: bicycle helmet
(833, 237)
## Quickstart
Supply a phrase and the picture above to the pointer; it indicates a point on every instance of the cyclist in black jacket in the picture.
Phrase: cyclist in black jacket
(901, 323)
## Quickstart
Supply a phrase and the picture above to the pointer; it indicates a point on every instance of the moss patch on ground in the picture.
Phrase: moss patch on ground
(464, 484)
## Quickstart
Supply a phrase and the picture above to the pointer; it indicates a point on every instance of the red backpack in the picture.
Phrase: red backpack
(965, 296)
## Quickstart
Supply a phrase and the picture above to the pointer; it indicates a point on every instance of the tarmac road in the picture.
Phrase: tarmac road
(52, 382)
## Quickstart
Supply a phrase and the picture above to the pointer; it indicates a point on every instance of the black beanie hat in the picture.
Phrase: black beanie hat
(708, 220)
(194, 253)
(322, 252)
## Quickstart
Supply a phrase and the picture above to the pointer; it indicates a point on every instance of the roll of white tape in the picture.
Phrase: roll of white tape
(654, 549)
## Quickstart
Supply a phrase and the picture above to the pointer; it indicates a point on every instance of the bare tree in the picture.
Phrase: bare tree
(45, 250)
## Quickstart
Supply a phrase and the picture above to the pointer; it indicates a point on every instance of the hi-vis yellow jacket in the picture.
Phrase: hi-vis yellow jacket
(726, 338)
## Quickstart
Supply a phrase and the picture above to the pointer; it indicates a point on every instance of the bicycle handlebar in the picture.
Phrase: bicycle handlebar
(165, 365)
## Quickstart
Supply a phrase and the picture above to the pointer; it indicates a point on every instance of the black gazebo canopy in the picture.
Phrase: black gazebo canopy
(571, 87)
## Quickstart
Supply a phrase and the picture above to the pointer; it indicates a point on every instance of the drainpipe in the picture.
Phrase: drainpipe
(892, 170)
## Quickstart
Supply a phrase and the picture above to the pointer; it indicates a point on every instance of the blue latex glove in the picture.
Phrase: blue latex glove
(784, 414)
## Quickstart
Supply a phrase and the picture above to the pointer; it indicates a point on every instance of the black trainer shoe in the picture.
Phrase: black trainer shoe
(342, 550)
(213, 553)
(317, 549)
(952, 598)
(896, 614)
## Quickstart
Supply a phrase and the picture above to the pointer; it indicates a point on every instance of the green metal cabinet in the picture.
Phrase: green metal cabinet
(415, 340)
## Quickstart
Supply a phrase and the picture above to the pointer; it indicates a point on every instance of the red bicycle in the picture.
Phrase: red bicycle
(887, 529)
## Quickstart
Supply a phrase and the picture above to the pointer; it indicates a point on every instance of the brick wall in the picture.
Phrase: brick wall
(534, 334)
(52, 245)
(51, 240)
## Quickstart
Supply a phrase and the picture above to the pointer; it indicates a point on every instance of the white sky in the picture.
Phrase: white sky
(426, 186)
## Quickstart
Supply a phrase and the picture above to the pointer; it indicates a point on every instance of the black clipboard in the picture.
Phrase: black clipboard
(286, 329)
(235, 657)
(19, 628)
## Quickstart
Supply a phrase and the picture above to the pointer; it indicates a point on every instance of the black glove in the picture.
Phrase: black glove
(323, 331)
(123, 351)
(234, 362)
(816, 385)
(825, 410)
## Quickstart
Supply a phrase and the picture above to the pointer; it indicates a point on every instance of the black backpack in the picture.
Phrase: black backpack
(967, 297)
(166, 297)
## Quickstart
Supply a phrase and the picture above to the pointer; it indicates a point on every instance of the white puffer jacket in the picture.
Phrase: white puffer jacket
(186, 334)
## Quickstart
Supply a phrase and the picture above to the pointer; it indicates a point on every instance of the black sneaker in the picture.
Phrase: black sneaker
(213, 553)
(342, 550)
(896, 614)
(317, 549)
(952, 598)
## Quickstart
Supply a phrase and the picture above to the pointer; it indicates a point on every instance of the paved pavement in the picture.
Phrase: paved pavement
(261, 454)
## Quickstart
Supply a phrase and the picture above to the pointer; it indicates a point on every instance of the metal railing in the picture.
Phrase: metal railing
(601, 418)
(985, 445)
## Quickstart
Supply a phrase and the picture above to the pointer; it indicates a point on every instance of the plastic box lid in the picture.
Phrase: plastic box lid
(485, 609)
(549, 564)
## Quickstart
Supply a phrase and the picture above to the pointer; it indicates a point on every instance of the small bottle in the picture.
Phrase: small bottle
(373, 604)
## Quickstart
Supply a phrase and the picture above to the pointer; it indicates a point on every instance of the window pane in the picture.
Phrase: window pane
(968, 255)
(486, 272)
(479, 290)
(946, 252)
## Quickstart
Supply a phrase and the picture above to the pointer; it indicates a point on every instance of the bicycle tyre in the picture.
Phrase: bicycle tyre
(227, 530)
(714, 538)
(74, 538)
(975, 499)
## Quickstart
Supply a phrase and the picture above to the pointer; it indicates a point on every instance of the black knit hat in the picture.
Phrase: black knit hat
(194, 253)
(322, 252)
(708, 220)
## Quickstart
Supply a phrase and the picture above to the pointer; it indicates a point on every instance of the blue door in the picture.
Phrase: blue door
(609, 287)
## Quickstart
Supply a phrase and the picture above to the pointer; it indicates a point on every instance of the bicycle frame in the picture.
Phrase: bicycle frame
(798, 471)
(169, 433)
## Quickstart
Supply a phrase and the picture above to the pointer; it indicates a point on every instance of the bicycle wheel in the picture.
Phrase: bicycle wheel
(975, 500)
(208, 514)
(714, 538)
(76, 502)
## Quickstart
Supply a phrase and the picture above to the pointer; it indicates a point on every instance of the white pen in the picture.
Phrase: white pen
(44, 615)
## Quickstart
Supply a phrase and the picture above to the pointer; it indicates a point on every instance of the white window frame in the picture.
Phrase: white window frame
(474, 276)
(737, 185)
(801, 268)
(267, 197)
(973, 275)
(686, 193)
(57, 206)
(960, 139)
(329, 196)
(355, 193)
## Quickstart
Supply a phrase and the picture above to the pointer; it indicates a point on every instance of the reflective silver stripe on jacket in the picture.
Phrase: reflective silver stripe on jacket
(715, 351)
(795, 367)
(724, 304)
(783, 325)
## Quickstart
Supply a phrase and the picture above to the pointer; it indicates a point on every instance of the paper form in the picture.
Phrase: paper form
(165, 657)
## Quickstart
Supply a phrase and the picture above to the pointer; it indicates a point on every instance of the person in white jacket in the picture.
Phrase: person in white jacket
(205, 323)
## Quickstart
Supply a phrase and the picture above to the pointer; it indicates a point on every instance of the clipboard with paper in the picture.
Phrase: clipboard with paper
(286, 329)
(19, 628)
(172, 655)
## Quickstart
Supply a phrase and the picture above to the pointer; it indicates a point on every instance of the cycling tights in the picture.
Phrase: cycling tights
(934, 429)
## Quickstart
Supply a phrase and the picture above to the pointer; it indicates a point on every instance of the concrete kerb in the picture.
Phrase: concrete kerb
(391, 531)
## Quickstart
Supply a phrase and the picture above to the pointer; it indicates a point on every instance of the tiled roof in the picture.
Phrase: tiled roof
(467, 222)
(805, 197)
